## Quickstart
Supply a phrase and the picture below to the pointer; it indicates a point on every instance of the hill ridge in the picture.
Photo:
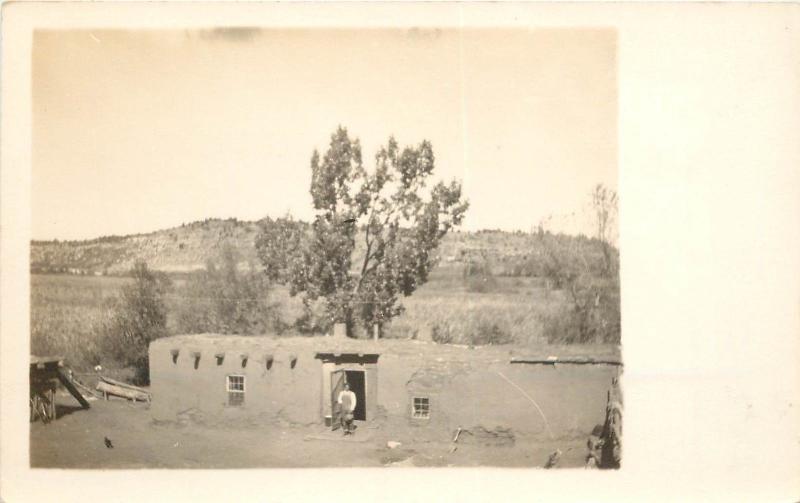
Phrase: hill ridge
(190, 246)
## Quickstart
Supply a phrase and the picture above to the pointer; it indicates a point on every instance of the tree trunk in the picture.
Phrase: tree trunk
(340, 330)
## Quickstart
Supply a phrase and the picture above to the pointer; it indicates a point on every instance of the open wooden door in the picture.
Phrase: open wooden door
(337, 385)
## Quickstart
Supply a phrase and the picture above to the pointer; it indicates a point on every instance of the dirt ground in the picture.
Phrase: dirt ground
(76, 440)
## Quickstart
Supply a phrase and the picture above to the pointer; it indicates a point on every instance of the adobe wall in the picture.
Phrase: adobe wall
(571, 397)
(465, 388)
(278, 391)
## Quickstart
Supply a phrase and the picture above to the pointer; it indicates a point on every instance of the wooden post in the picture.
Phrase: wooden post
(72, 389)
(51, 394)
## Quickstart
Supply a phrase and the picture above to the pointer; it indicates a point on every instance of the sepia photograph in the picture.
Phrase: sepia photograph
(399, 251)
(264, 247)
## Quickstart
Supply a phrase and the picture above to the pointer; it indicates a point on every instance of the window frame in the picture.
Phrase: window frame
(421, 409)
(236, 392)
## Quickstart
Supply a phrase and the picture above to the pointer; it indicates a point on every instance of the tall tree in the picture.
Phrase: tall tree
(224, 299)
(588, 271)
(604, 205)
(374, 235)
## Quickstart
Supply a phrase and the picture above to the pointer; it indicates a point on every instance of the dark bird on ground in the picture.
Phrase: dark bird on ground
(552, 461)
(108, 442)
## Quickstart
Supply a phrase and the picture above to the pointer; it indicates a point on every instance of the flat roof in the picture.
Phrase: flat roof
(345, 353)
(411, 348)
(576, 360)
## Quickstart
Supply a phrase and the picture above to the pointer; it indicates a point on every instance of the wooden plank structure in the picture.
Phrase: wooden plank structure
(553, 360)
(45, 374)
(108, 386)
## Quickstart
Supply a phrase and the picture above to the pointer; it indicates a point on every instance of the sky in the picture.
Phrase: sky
(140, 130)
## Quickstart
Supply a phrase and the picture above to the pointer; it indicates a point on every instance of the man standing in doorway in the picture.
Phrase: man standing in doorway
(347, 402)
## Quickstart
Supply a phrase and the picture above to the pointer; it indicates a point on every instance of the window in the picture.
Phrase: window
(235, 390)
(421, 407)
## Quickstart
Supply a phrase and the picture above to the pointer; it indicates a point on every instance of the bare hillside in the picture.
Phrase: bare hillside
(190, 246)
(178, 249)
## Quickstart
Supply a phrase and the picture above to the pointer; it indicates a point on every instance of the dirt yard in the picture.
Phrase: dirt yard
(76, 440)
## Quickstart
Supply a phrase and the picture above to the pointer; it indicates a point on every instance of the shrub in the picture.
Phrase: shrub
(594, 318)
(399, 331)
(586, 270)
(314, 318)
(222, 299)
(562, 327)
(442, 333)
(487, 332)
(478, 277)
(139, 317)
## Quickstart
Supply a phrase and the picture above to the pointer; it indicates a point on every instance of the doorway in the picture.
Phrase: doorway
(357, 381)
(360, 371)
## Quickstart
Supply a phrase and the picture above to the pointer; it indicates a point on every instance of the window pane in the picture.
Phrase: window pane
(235, 383)
(421, 407)
(235, 398)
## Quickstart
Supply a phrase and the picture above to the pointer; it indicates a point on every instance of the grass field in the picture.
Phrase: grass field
(509, 306)
(68, 312)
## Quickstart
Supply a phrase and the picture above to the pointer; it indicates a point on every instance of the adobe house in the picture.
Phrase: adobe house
(433, 388)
